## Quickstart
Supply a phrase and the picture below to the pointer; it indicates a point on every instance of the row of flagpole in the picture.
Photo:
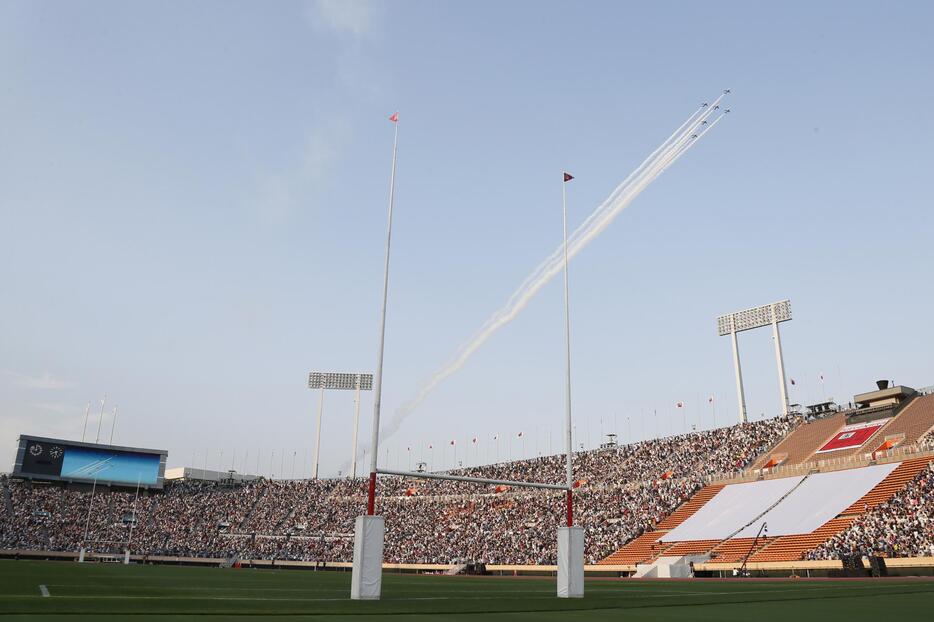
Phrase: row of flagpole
(100, 422)
(473, 450)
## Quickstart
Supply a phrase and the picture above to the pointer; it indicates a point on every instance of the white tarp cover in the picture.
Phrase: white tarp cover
(820, 498)
(731, 508)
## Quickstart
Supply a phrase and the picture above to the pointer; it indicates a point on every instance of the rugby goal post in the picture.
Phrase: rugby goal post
(370, 530)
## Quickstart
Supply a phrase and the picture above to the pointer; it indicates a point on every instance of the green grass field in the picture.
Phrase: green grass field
(95, 591)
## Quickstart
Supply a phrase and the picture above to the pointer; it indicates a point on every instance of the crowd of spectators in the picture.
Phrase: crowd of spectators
(901, 527)
(620, 492)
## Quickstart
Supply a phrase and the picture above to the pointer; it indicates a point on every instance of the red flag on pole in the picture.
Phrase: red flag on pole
(567, 177)
(395, 118)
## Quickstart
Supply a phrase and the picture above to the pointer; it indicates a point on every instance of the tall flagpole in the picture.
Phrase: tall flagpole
(101, 420)
(87, 411)
(378, 384)
(567, 342)
(113, 426)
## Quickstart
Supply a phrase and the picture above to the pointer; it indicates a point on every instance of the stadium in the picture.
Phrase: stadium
(829, 493)
(205, 205)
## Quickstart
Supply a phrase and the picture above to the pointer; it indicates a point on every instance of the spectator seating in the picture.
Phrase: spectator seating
(801, 444)
(783, 548)
(902, 526)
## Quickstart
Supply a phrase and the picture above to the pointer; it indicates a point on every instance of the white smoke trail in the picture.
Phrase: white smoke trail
(657, 162)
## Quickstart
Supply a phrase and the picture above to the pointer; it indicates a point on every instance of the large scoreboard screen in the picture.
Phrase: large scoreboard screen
(71, 461)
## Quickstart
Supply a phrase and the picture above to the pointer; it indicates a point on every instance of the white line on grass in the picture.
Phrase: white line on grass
(44, 591)
(482, 597)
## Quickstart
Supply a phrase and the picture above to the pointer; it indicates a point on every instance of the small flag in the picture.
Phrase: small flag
(394, 117)
(568, 177)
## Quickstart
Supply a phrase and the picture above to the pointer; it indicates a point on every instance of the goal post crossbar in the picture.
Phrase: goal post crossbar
(475, 480)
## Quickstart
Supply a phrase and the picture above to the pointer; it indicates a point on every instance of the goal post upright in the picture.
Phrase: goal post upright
(570, 545)
(369, 530)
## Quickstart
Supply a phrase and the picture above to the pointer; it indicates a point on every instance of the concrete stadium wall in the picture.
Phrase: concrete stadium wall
(902, 566)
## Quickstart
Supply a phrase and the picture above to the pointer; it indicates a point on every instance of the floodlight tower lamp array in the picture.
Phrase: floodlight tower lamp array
(339, 381)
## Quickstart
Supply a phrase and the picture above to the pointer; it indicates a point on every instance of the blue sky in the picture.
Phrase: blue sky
(193, 203)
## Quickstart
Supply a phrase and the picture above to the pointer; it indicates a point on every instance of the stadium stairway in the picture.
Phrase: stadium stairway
(252, 510)
(7, 497)
(285, 519)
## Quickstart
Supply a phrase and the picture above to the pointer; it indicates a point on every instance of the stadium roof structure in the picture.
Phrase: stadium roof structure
(207, 475)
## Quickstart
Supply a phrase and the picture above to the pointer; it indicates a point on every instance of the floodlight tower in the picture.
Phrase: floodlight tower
(748, 319)
(340, 382)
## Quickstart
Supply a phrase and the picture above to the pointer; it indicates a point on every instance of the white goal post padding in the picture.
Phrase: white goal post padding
(367, 576)
(570, 562)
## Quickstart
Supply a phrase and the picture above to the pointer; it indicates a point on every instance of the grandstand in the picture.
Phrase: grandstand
(699, 497)
(802, 500)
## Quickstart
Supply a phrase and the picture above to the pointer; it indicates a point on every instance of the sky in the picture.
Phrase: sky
(193, 200)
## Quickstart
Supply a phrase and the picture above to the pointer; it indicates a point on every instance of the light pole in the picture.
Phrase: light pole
(100, 420)
(87, 411)
(749, 319)
(340, 382)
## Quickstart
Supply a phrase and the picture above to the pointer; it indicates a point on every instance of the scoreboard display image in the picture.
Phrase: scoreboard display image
(60, 460)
